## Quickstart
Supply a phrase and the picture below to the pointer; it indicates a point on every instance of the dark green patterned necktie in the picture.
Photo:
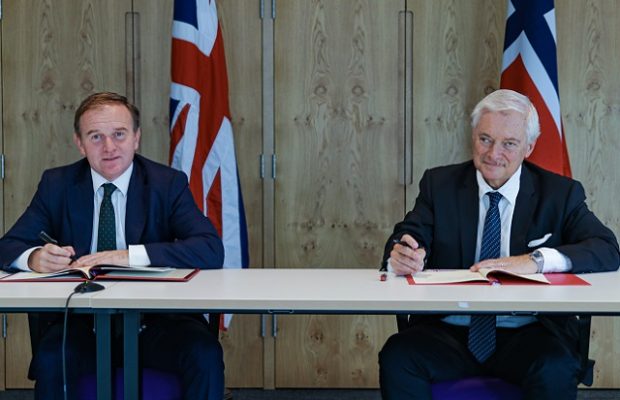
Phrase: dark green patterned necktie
(106, 236)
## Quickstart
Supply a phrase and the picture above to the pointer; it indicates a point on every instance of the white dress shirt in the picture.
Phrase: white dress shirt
(137, 253)
(554, 260)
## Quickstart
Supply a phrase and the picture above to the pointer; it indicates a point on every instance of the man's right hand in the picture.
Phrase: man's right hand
(407, 259)
(50, 258)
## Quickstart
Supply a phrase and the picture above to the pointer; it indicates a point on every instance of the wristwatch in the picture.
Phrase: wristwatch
(538, 258)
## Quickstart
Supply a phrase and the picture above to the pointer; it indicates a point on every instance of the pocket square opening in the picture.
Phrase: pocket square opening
(538, 242)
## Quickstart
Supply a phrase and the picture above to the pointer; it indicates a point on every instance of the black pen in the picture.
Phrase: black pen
(400, 242)
(48, 239)
(403, 243)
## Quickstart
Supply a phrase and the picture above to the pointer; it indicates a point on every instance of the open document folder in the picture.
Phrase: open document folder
(105, 272)
(490, 276)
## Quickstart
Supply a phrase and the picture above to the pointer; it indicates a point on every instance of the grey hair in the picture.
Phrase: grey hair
(509, 100)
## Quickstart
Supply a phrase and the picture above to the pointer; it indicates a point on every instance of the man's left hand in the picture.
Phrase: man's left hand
(115, 257)
(518, 264)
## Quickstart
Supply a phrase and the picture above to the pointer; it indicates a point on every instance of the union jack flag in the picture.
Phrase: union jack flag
(530, 67)
(201, 137)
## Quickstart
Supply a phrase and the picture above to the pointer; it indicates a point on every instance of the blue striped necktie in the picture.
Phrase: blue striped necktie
(106, 234)
(481, 341)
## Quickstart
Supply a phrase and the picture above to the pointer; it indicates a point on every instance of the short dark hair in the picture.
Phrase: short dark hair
(105, 98)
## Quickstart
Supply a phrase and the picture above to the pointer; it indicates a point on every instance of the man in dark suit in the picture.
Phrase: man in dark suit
(529, 220)
(116, 207)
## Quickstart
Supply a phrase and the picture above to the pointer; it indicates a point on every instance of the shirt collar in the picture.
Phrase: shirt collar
(509, 190)
(121, 183)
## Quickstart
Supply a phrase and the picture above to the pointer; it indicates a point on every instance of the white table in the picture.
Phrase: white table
(354, 291)
(51, 297)
(339, 291)
(41, 296)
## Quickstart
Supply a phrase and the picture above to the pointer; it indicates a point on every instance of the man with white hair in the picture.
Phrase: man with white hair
(498, 211)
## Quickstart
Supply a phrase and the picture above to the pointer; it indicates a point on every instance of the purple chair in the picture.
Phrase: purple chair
(476, 388)
(154, 384)
(491, 388)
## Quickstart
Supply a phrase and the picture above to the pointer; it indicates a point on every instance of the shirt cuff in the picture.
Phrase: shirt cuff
(21, 262)
(138, 256)
(554, 261)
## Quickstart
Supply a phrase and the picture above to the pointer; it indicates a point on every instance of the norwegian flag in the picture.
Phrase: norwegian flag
(201, 137)
(530, 67)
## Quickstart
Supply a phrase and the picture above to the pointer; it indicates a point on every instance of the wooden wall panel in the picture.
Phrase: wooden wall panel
(589, 60)
(339, 140)
(55, 53)
(337, 132)
(241, 27)
(152, 42)
(18, 350)
(330, 351)
(605, 351)
(588, 35)
(457, 49)
(60, 52)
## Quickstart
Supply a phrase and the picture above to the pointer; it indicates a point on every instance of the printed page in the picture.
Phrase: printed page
(130, 269)
(162, 274)
(437, 276)
(27, 275)
(497, 273)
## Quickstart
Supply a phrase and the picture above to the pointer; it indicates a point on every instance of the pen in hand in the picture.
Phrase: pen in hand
(400, 242)
(407, 245)
(48, 239)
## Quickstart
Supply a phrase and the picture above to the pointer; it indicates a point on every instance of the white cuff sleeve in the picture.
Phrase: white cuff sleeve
(21, 262)
(138, 256)
(389, 265)
(555, 261)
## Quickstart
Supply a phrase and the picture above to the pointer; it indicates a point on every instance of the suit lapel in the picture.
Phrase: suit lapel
(468, 209)
(526, 202)
(81, 208)
(135, 216)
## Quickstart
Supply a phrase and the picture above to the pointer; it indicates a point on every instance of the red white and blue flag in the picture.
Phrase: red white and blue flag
(201, 137)
(530, 67)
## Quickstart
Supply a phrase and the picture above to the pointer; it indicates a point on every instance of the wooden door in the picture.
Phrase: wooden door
(148, 60)
(241, 26)
(588, 63)
(339, 138)
(241, 29)
(54, 54)
(457, 60)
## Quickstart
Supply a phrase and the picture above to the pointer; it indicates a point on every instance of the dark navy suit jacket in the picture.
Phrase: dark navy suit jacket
(444, 220)
(161, 215)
